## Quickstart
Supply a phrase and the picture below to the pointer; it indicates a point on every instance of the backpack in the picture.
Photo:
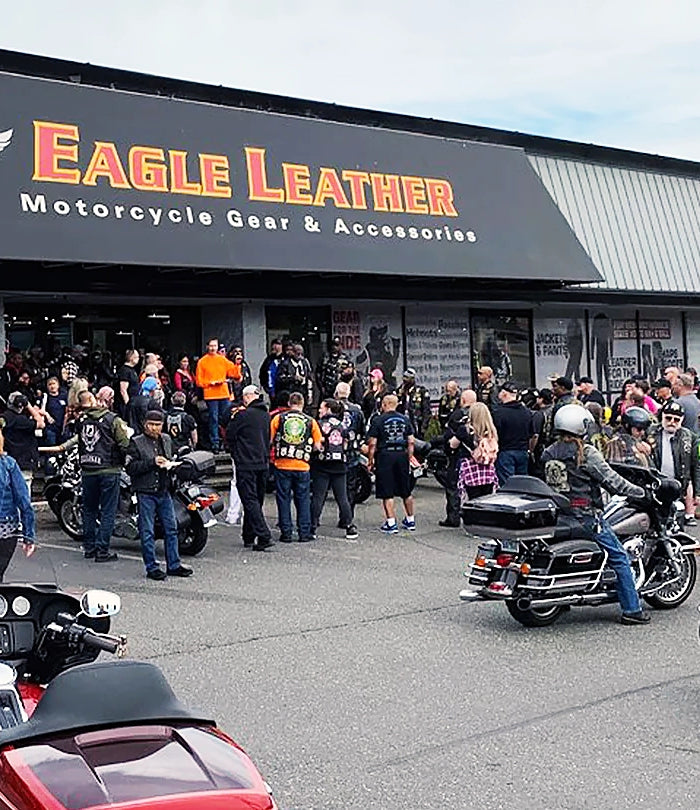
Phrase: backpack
(486, 451)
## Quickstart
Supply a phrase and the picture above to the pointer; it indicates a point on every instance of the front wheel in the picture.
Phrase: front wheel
(70, 517)
(535, 617)
(192, 539)
(676, 592)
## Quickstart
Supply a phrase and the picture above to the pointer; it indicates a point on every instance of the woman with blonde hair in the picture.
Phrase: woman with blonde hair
(78, 385)
(476, 440)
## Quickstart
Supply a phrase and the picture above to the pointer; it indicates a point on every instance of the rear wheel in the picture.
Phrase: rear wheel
(675, 593)
(363, 485)
(535, 617)
(193, 539)
(70, 517)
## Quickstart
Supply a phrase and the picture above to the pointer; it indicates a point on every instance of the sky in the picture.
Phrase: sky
(616, 73)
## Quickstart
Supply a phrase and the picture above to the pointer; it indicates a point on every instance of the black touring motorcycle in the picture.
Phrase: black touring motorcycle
(535, 557)
(196, 504)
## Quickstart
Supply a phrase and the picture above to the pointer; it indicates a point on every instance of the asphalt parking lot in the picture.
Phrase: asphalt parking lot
(355, 678)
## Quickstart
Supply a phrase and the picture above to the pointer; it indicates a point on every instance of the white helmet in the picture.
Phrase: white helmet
(573, 419)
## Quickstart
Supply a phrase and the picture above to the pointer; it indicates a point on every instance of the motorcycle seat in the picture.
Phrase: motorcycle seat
(103, 695)
(529, 485)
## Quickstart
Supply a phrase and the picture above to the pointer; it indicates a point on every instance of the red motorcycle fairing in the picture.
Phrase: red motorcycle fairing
(31, 694)
(153, 766)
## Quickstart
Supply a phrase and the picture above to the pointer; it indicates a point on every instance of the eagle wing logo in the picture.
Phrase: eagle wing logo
(6, 139)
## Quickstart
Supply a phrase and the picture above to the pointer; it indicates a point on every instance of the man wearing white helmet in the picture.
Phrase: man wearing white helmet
(577, 470)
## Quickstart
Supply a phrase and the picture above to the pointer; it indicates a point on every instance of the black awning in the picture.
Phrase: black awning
(101, 176)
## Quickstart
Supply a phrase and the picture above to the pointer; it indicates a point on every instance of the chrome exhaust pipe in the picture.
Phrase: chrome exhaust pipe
(581, 599)
(524, 603)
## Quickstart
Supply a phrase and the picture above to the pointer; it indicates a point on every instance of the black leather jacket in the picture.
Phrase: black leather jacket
(684, 447)
(141, 463)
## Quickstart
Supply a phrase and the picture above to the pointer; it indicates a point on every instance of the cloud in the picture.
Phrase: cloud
(618, 72)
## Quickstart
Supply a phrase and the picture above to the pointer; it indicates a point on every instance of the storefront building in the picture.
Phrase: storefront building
(151, 212)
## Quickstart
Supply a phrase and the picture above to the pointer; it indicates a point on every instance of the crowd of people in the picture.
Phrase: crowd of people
(311, 430)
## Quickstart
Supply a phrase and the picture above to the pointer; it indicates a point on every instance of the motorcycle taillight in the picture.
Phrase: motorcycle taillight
(504, 560)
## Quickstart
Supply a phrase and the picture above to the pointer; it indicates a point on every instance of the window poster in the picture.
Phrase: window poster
(437, 345)
(559, 346)
(370, 334)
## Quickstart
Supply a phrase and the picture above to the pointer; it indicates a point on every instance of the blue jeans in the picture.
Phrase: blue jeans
(100, 501)
(218, 410)
(619, 562)
(510, 462)
(296, 484)
(160, 504)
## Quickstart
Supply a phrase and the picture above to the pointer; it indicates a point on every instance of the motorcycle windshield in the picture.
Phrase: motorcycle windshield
(128, 766)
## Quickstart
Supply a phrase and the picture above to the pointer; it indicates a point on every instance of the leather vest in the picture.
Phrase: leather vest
(334, 439)
(564, 475)
(351, 422)
(97, 449)
(293, 438)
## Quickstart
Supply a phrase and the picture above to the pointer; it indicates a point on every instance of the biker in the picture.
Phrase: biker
(575, 469)
(629, 444)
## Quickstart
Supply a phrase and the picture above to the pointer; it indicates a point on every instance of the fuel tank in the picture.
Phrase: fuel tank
(626, 520)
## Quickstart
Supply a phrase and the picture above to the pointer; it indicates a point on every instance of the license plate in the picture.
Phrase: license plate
(510, 546)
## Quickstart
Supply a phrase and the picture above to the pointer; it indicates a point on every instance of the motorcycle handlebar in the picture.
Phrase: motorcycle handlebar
(104, 643)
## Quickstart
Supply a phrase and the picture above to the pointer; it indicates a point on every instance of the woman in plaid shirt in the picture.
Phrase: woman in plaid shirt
(477, 441)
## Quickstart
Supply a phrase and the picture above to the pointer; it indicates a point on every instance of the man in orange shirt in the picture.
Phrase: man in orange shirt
(294, 436)
(212, 372)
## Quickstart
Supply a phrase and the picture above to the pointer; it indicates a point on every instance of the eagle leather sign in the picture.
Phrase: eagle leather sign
(97, 175)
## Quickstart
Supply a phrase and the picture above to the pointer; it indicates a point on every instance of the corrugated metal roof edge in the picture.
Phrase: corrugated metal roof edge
(98, 76)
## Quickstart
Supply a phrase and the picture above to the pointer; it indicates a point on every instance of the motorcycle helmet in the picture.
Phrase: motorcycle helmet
(17, 402)
(573, 419)
(636, 417)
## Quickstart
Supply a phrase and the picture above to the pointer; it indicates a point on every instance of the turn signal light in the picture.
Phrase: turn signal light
(504, 560)
(525, 569)
(192, 507)
(480, 561)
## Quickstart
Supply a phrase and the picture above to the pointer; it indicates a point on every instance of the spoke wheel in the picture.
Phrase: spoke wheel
(70, 518)
(675, 593)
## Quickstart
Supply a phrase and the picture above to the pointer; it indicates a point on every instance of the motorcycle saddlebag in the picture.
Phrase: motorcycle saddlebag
(576, 557)
(196, 465)
(510, 510)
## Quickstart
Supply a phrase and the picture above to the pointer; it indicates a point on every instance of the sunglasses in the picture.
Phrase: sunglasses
(671, 418)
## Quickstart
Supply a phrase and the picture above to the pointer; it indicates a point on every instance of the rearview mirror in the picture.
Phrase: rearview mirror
(100, 603)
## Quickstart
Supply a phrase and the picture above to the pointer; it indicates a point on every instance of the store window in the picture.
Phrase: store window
(503, 342)
(308, 326)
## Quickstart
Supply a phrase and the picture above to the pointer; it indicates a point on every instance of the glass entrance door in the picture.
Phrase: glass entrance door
(309, 326)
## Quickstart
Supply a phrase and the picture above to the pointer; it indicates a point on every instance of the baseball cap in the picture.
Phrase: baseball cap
(376, 374)
(510, 386)
(565, 383)
(662, 383)
(251, 390)
(586, 380)
(410, 372)
(148, 385)
(673, 409)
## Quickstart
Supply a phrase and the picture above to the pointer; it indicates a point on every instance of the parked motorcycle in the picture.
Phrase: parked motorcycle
(536, 558)
(62, 477)
(64, 745)
(196, 505)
